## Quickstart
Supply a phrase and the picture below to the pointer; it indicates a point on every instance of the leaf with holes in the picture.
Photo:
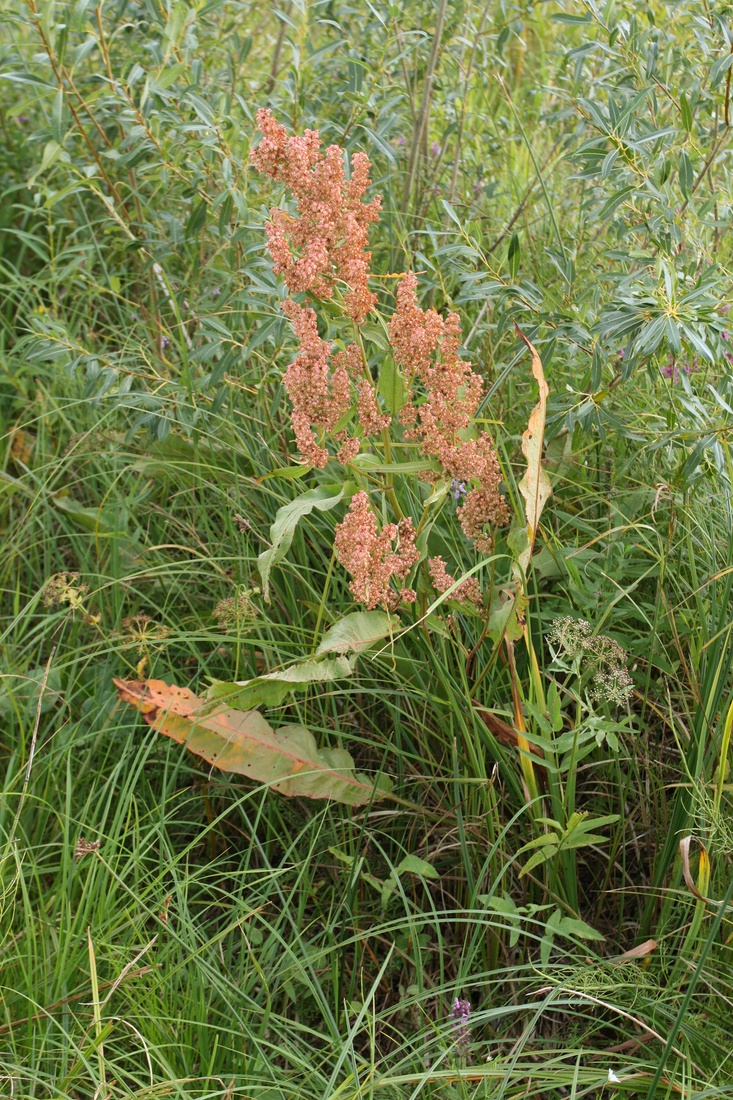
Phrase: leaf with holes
(287, 759)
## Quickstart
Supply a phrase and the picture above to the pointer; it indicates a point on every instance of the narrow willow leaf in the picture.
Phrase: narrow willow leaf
(243, 742)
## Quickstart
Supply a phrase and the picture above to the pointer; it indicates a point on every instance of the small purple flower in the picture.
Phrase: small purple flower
(22, 119)
(457, 488)
(460, 1012)
(670, 370)
(728, 356)
(725, 309)
(435, 148)
(216, 292)
(400, 141)
(724, 335)
(164, 342)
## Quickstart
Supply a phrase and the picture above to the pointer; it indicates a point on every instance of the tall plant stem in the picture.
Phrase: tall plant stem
(421, 122)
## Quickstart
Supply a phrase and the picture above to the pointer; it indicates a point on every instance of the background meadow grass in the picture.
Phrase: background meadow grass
(172, 932)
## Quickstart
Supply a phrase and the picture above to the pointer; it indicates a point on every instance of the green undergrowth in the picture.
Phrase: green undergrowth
(171, 930)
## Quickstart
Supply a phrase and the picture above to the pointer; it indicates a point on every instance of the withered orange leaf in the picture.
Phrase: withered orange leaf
(243, 742)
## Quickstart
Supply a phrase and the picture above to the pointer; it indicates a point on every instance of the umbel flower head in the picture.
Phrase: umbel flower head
(237, 611)
(328, 239)
(369, 555)
(599, 654)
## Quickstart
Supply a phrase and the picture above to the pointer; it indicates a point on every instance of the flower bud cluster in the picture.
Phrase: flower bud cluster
(446, 397)
(323, 243)
(370, 557)
(328, 239)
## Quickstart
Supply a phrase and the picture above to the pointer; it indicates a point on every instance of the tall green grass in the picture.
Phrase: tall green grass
(209, 938)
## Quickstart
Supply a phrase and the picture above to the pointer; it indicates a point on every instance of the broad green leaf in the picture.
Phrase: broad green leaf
(20, 691)
(412, 865)
(554, 708)
(571, 927)
(244, 743)
(344, 857)
(542, 855)
(323, 499)
(356, 632)
(376, 334)
(270, 690)
(287, 473)
(504, 615)
(373, 464)
(501, 904)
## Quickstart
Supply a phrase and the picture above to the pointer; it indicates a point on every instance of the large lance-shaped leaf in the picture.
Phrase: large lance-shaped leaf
(357, 631)
(243, 742)
(270, 690)
(287, 519)
(535, 486)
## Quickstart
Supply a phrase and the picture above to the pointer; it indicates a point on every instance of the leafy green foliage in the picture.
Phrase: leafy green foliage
(167, 929)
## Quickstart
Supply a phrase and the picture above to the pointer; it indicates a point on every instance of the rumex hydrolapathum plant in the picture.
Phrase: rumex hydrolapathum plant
(322, 250)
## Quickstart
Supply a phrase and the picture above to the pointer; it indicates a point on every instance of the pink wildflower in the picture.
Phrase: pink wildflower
(320, 396)
(372, 422)
(481, 509)
(426, 346)
(369, 556)
(468, 591)
(329, 238)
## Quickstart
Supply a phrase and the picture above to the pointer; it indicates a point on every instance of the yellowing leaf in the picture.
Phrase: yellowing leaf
(535, 486)
(243, 742)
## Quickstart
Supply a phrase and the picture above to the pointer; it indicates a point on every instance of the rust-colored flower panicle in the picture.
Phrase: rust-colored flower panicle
(467, 592)
(369, 555)
(319, 387)
(371, 421)
(426, 346)
(328, 239)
